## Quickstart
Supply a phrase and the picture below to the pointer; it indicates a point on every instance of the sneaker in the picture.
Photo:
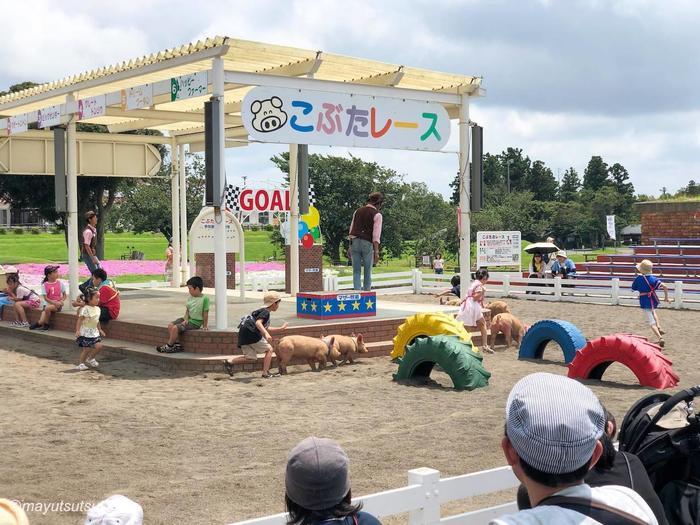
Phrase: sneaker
(661, 342)
(41, 327)
(19, 324)
(164, 348)
(93, 363)
(487, 349)
(228, 368)
(662, 332)
(82, 367)
(269, 375)
(34, 326)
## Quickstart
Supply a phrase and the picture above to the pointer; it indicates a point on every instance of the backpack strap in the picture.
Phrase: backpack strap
(595, 510)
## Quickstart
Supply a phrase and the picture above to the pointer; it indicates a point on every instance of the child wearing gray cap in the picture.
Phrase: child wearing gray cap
(317, 484)
(553, 430)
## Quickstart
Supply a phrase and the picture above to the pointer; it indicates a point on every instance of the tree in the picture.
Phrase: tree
(570, 186)
(625, 189)
(541, 182)
(146, 204)
(341, 186)
(595, 175)
(519, 170)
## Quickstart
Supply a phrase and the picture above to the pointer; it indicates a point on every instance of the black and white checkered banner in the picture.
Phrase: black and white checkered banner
(237, 198)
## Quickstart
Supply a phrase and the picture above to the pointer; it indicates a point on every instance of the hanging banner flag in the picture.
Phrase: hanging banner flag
(50, 116)
(294, 116)
(17, 124)
(137, 97)
(611, 226)
(92, 107)
(187, 86)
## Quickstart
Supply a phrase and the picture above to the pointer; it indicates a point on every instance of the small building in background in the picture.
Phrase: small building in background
(631, 234)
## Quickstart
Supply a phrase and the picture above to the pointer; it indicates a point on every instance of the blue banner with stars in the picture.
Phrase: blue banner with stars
(336, 305)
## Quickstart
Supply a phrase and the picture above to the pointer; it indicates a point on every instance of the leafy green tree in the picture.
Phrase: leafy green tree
(146, 203)
(541, 182)
(595, 175)
(519, 169)
(620, 180)
(341, 186)
(570, 186)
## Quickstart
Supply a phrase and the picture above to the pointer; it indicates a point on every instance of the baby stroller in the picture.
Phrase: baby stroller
(664, 432)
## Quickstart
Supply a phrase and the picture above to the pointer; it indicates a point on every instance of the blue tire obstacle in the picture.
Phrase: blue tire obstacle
(564, 333)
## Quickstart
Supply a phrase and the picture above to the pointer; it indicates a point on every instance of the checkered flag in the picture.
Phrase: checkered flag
(312, 195)
(231, 195)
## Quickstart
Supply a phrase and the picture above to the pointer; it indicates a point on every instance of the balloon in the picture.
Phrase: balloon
(312, 218)
(303, 229)
(307, 241)
(315, 232)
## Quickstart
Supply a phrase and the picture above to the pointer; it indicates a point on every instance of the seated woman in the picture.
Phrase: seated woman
(563, 266)
(317, 486)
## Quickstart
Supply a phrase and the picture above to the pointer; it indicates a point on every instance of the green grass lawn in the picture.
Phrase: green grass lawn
(49, 247)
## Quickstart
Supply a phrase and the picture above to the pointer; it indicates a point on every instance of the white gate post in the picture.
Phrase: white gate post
(506, 285)
(557, 288)
(678, 295)
(615, 291)
(336, 284)
(429, 511)
(417, 281)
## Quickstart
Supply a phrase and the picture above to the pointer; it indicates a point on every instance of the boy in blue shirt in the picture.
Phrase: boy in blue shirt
(647, 284)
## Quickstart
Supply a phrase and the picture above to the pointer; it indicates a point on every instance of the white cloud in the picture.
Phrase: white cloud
(566, 80)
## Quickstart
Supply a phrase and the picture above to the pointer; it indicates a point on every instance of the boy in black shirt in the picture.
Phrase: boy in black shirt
(254, 335)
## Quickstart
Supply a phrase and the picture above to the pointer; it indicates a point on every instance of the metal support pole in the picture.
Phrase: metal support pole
(182, 165)
(72, 215)
(464, 202)
(175, 213)
(293, 220)
(220, 219)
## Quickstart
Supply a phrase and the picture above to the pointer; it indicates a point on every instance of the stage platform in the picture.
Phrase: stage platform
(145, 313)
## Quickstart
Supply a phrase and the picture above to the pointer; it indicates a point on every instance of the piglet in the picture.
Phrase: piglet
(312, 349)
(347, 347)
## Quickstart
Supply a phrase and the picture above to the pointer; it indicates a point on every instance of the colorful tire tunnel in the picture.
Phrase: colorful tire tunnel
(590, 359)
(426, 340)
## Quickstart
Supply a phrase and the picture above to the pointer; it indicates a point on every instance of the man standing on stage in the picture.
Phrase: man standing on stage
(365, 235)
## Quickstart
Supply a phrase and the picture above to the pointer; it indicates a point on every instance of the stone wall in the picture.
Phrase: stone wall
(310, 269)
(669, 219)
(204, 267)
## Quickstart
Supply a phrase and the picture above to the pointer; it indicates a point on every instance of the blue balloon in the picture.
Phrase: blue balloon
(303, 229)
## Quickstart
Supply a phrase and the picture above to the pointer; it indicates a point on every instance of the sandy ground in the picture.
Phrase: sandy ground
(206, 449)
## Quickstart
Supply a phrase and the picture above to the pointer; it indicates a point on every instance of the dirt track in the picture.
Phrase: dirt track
(206, 449)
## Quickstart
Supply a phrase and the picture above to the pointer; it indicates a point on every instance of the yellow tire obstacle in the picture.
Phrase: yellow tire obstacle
(426, 325)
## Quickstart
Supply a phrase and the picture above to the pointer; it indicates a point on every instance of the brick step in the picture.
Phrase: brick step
(184, 361)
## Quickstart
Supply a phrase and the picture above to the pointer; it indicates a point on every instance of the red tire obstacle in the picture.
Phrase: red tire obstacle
(644, 359)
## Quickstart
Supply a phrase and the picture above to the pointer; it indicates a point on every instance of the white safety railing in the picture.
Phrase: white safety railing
(424, 495)
(601, 291)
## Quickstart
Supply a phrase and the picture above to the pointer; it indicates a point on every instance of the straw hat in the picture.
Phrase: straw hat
(645, 267)
(561, 253)
(271, 298)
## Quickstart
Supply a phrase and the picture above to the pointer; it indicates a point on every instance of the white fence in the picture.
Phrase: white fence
(602, 291)
(424, 495)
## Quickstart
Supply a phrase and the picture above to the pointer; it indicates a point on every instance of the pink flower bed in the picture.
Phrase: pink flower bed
(33, 273)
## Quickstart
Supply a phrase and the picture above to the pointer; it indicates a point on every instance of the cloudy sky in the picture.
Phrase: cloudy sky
(565, 79)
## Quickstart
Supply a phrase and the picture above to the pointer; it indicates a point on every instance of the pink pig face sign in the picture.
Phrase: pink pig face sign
(268, 114)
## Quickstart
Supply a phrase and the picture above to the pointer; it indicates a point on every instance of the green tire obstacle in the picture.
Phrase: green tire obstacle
(455, 356)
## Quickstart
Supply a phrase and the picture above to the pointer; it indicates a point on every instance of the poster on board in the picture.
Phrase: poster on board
(498, 249)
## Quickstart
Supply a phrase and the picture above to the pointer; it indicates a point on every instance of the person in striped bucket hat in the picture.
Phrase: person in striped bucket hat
(552, 439)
